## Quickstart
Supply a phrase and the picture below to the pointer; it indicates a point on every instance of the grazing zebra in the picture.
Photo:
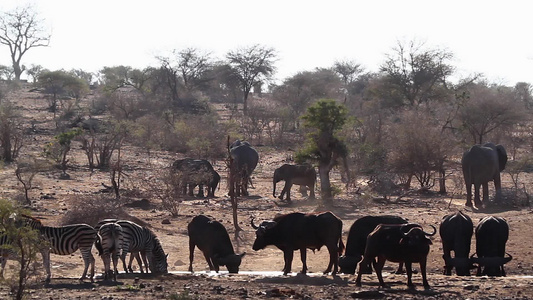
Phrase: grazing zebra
(110, 236)
(141, 239)
(66, 240)
(134, 254)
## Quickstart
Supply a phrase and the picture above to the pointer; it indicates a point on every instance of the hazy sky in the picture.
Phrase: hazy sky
(490, 37)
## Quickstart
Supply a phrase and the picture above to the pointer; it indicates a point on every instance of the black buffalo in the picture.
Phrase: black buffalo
(491, 236)
(406, 243)
(456, 234)
(356, 242)
(298, 231)
(212, 239)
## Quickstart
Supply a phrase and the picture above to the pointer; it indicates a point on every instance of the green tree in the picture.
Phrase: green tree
(25, 244)
(60, 83)
(60, 147)
(251, 66)
(21, 30)
(325, 119)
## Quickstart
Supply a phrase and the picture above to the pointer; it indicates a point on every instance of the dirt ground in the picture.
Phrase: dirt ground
(260, 275)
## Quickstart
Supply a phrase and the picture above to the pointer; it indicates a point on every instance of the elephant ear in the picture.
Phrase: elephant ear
(502, 157)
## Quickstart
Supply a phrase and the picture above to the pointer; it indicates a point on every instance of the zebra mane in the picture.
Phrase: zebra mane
(33, 220)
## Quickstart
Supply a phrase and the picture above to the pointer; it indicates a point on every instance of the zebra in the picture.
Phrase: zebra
(138, 255)
(5, 252)
(110, 236)
(139, 239)
(66, 240)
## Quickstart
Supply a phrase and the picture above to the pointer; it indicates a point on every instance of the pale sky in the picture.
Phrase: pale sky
(490, 37)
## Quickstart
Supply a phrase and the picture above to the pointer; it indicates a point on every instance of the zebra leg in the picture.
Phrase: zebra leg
(145, 260)
(115, 262)
(46, 262)
(88, 259)
(4, 261)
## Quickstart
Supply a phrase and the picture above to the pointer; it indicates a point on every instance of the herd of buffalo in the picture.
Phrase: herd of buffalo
(372, 240)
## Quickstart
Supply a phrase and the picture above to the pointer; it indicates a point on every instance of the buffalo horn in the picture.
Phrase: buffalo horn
(491, 261)
(431, 234)
(253, 225)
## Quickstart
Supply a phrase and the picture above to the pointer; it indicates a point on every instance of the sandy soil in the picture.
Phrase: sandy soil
(260, 275)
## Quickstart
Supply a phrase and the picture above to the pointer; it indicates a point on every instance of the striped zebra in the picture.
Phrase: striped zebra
(134, 254)
(5, 252)
(139, 239)
(110, 237)
(66, 240)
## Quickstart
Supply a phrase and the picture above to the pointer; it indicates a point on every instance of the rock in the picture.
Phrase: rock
(165, 221)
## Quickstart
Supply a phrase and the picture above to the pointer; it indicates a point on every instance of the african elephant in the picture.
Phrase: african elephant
(197, 172)
(302, 175)
(243, 160)
(481, 164)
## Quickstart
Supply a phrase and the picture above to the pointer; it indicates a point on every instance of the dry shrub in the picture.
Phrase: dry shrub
(166, 186)
(90, 209)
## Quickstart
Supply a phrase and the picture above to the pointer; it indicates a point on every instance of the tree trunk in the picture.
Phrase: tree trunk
(442, 181)
(325, 185)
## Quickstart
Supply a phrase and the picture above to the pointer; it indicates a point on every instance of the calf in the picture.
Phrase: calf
(298, 231)
(212, 239)
(406, 243)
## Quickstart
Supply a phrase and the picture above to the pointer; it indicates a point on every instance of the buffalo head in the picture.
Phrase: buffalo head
(232, 261)
(348, 264)
(492, 266)
(262, 234)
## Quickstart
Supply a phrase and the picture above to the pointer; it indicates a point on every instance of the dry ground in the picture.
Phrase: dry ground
(52, 199)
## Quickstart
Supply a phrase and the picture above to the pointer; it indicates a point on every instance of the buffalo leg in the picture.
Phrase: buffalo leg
(191, 255)
(333, 260)
(363, 262)
(409, 270)
(423, 265)
(210, 262)
(447, 257)
(303, 256)
(400, 268)
(378, 266)
(287, 256)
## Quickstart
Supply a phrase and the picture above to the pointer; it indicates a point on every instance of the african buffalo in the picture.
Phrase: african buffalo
(406, 243)
(298, 231)
(491, 236)
(212, 239)
(356, 242)
(456, 235)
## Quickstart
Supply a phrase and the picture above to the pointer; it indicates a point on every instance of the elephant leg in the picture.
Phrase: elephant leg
(303, 190)
(485, 187)
(312, 191)
(286, 190)
(477, 200)
(498, 188)
(201, 190)
(468, 194)
(191, 189)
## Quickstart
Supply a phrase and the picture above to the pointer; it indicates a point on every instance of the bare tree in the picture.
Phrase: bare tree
(21, 30)
(416, 75)
(488, 108)
(251, 65)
